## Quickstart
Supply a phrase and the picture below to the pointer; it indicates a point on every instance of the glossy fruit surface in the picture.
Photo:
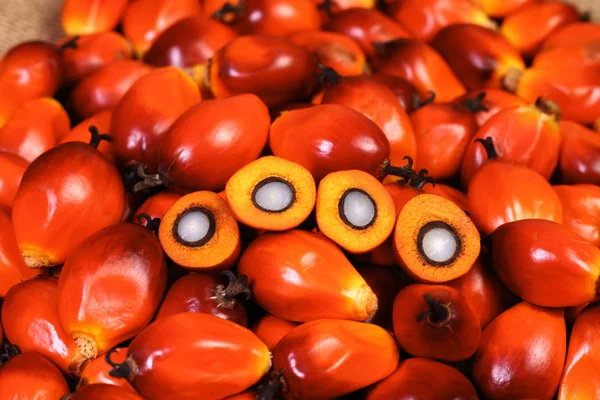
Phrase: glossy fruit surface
(366, 27)
(421, 65)
(575, 93)
(278, 17)
(528, 26)
(377, 102)
(204, 293)
(103, 391)
(580, 377)
(527, 365)
(580, 148)
(480, 57)
(276, 70)
(34, 128)
(189, 42)
(83, 17)
(545, 263)
(145, 20)
(12, 268)
(419, 378)
(574, 45)
(424, 18)
(103, 89)
(31, 376)
(520, 193)
(141, 118)
(436, 321)
(214, 139)
(72, 191)
(325, 145)
(110, 287)
(334, 50)
(485, 292)
(291, 274)
(12, 168)
(271, 329)
(90, 53)
(581, 210)
(528, 135)
(406, 94)
(443, 132)
(32, 323)
(28, 71)
(500, 8)
(183, 356)
(317, 360)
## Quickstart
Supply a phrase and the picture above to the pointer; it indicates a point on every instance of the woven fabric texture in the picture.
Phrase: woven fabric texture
(23, 20)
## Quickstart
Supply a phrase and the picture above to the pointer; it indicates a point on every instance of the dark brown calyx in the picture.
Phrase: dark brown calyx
(123, 370)
(342, 209)
(418, 180)
(130, 176)
(420, 103)
(449, 235)
(475, 104)
(586, 16)
(151, 223)
(272, 388)
(97, 137)
(549, 107)
(189, 213)
(488, 145)
(225, 296)
(408, 176)
(385, 49)
(230, 13)
(405, 172)
(327, 6)
(437, 315)
(70, 44)
(263, 185)
(9, 351)
(327, 75)
(148, 181)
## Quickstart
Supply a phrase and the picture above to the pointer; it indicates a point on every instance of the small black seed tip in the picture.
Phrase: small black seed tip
(272, 388)
(70, 44)
(151, 223)
(488, 145)
(475, 104)
(118, 370)
(97, 137)
(148, 181)
(328, 76)
(422, 103)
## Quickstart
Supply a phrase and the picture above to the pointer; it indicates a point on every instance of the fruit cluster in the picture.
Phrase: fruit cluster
(302, 199)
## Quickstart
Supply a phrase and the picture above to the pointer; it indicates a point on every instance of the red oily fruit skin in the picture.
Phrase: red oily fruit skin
(317, 138)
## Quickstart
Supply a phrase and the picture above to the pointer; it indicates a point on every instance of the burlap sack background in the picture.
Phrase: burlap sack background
(22, 20)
